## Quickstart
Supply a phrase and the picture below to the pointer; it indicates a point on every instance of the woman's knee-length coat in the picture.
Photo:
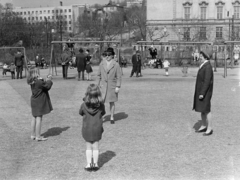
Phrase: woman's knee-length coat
(204, 86)
(109, 79)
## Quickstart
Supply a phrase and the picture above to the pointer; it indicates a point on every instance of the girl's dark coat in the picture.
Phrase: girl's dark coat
(40, 100)
(204, 86)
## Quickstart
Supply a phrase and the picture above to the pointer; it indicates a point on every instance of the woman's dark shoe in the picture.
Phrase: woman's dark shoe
(202, 130)
(112, 121)
(208, 134)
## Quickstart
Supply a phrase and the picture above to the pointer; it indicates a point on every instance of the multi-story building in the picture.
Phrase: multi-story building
(134, 3)
(193, 20)
(66, 15)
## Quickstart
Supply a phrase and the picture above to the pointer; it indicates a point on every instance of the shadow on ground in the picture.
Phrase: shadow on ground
(105, 157)
(55, 131)
(117, 117)
(197, 125)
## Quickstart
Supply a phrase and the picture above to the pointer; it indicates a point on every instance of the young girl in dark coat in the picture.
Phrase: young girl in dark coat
(92, 110)
(40, 101)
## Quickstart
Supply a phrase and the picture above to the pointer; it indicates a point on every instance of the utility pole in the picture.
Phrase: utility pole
(46, 29)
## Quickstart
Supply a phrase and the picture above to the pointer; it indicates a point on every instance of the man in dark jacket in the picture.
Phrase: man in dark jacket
(81, 63)
(139, 65)
(134, 63)
(65, 59)
(19, 63)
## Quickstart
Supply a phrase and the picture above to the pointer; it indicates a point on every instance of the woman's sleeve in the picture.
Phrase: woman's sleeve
(81, 110)
(103, 110)
(47, 85)
(207, 80)
(119, 76)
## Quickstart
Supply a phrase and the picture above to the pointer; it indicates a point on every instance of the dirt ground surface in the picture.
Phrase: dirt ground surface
(153, 138)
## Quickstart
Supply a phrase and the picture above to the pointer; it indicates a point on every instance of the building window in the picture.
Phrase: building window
(203, 12)
(65, 10)
(70, 22)
(32, 18)
(69, 10)
(41, 18)
(48, 17)
(52, 17)
(236, 33)
(219, 32)
(65, 16)
(70, 28)
(48, 11)
(52, 11)
(236, 12)
(28, 18)
(40, 12)
(219, 12)
(32, 12)
(61, 11)
(203, 33)
(186, 34)
(36, 18)
(69, 16)
(28, 12)
(25, 13)
(44, 11)
(187, 12)
(36, 12)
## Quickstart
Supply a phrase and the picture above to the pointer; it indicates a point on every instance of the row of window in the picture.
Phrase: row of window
(64, 27)
(203, 12)
(203, 32)
(44, 11)
(49, 17)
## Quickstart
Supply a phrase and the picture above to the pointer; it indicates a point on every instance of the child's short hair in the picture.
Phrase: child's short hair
(93, 96)
(33, 75)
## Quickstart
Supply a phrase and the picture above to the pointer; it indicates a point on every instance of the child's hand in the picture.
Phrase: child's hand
(117, 90)
(49, 77)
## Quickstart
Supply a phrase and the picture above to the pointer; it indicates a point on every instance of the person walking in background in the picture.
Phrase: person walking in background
(92, 110)
(109, 79)
(203, 94)
(134, 63)
(40, 101)
(139, 65)
(19, 63)
(65, 59)
(166, 65)
(88, 65)
(12, 70)
(81, 63)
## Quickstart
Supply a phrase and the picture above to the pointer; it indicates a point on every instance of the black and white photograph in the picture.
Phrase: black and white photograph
(119, 89)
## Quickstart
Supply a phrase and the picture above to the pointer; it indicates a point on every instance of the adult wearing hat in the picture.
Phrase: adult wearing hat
(203, 93)
(109, 80)
(19, 63)
(81, 63)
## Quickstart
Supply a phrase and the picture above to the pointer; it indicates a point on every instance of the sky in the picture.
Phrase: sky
(45, 3)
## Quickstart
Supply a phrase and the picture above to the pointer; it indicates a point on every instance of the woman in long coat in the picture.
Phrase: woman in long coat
(109, 80)
(203, 94)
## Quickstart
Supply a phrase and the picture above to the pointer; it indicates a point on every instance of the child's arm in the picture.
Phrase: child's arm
(47, 85)
(81, 110)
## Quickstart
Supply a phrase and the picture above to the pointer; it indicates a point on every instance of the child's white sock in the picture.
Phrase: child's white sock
(95, 157)
(89, 155)
(167, 73)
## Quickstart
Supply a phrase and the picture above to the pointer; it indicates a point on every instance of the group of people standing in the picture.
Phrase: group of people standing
(136, 64)
(82, 63)
(92, 109)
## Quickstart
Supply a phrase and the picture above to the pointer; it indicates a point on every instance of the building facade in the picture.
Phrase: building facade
(65, 15)
(193, 20)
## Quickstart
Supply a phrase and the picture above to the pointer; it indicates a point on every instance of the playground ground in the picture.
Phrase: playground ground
(153, 138)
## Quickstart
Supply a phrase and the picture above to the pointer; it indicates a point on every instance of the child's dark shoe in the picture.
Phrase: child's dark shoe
(89, 169)
(95, 168)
